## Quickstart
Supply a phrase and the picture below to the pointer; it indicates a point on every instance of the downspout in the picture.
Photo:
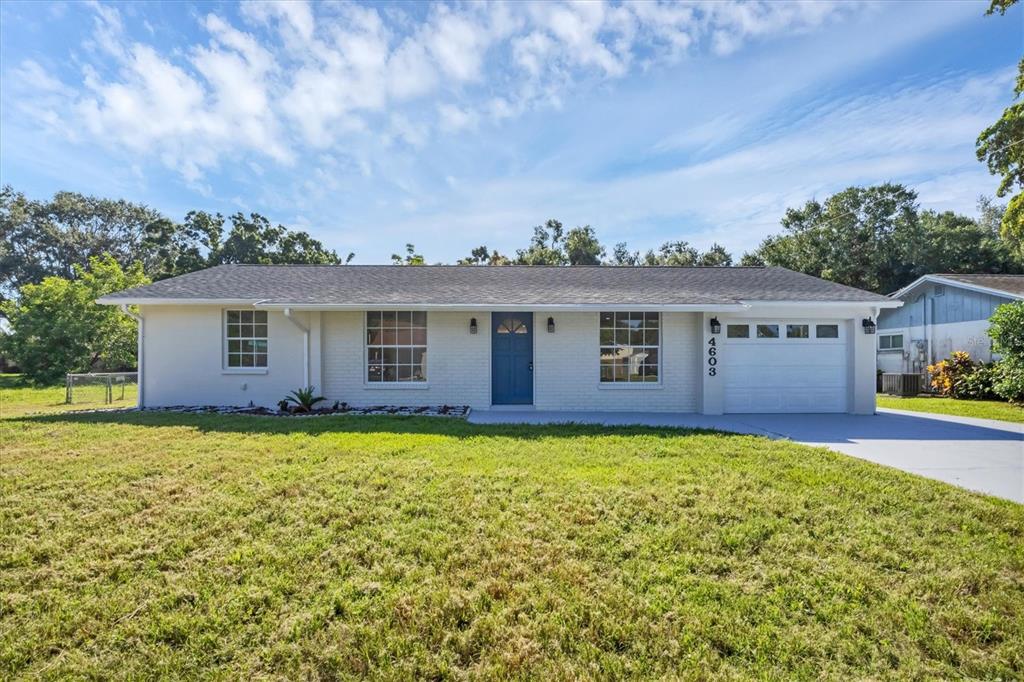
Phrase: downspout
(305, 345)
(139, 350)
(928, 335)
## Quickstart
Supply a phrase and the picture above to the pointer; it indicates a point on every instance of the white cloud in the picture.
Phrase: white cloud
(296, 15)
(321, 75)
(414, 134)
(30, 75)
(457, 44)
(921, 135)
(107, 30)
(455, 118)
(734, 23)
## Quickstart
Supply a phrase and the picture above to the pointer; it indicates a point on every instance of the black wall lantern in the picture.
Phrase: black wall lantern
(869, 325)
(472, 325)
(716, 326)
(551, 325)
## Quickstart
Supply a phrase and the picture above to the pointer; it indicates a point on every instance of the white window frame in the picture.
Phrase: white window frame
(628, 385)
(837, 325)
(890, 337)
(811, 331)
(737, 324)
(781, 323)
(226, 368)
(393, 385)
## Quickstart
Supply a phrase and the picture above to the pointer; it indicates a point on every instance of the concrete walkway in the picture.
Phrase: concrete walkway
(979, 454)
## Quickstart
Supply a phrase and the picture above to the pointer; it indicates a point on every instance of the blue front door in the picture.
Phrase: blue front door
(512, 358)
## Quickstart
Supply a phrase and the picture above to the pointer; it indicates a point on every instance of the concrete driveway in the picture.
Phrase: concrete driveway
(979, 454)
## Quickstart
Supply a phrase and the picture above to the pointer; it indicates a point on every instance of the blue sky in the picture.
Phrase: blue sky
(455, 125)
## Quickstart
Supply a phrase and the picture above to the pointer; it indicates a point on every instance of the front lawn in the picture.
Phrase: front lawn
(18, 397)
(182, 546)
(982, 409)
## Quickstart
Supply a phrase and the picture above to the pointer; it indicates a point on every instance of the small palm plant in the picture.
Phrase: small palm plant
(304, 399)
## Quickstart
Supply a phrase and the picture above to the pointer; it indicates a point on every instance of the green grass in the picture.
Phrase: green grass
(18, 398)
(182, 546)
(983, 409)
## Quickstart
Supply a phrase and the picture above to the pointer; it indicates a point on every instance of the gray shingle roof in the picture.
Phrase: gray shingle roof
(492, 285)
(1012, 284)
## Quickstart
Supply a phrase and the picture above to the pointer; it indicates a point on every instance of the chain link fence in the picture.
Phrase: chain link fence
(120, 389)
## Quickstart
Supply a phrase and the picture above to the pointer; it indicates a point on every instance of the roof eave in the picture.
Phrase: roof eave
(938, 279)
(640, 307)
(872, 303)
(144, 300)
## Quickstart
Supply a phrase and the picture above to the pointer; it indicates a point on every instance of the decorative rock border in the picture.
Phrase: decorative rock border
(458, 411)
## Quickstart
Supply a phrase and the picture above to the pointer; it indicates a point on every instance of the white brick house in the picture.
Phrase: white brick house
(710, 340)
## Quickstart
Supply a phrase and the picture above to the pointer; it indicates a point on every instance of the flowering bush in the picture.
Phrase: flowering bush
(947, 374)
(961, 378)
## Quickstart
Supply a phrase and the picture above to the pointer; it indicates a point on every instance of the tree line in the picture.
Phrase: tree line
(59, 255)
(52, 237)
(875, 238)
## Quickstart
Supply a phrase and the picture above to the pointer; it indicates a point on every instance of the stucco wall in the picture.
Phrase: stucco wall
(458, 363)
(566, 364)
(183, 362)
(860, 352)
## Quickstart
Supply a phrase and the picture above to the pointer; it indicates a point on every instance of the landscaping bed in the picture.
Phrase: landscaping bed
(342, 408)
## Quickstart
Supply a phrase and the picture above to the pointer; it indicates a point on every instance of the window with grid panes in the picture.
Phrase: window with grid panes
(245, 332)
(630, 345)
(396, 346)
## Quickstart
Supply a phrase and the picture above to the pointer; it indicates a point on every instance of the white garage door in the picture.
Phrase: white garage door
(784, 366)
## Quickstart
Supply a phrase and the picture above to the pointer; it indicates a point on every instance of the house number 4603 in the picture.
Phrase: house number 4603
(712, 357)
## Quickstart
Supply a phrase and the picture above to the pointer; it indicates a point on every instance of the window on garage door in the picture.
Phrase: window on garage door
(760, 331)
(780, 365)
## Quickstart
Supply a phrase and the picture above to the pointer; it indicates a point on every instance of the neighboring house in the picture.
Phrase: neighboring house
(942, 314)
(671, 339)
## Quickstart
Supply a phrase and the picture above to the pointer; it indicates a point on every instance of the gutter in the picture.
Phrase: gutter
(139, 350)
(268, 304)
(305, 345)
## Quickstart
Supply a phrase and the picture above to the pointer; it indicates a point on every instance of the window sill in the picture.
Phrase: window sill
(890, 350)
(625, 386)
(245, 370)
(401, 386)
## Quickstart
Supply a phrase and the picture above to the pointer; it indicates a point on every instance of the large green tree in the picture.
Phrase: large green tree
(955, 243)
(551, 244)
(410, 257)
(672, 253)
(860, 237)
(46, 238)
(876, 238)
(481, 255)
(1001, 147)
(39, 239)
(582, 246)
(716, 257)
(57, 327)
(545, 246)
(203, 240)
